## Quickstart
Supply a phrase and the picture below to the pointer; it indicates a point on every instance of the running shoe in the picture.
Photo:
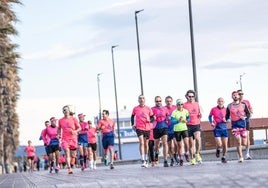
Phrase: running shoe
(192, 161)
(105, 162)
(223, 159)
(241, 160)
(181, 162)
(143, 163)
(111, 166)
(186, 155)
(146, 164)
(198, 158)
(165, 163)
(70, 170)
(57, 169)
(83, 167)
(176, 158)
(218, 152)
(172, 162)
(248, 157)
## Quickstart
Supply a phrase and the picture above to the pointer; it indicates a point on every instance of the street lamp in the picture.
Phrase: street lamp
(116, 105)
(138, 45)
(98, 80)
(193, 50)
(99, 118)
(241, 80)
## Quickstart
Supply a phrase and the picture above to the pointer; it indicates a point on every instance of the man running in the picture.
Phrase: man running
(68, 130)
(193, 126)
(106, 126)
(238, 113)
(180, 117)
(172, 143)
(144, 117)
(218, 122)
(161, 116)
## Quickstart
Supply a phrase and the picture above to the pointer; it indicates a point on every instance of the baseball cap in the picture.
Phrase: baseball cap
(179, 102)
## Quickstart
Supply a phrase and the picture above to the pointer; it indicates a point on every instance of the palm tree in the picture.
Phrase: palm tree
(9, 84)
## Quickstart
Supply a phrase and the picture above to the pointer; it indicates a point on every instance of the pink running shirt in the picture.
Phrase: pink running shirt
(68, 125)
(84, 127)
(91, 135)
(49, 133)
(30, 151)
(218, 114)
(194, 110)
(106, 125)
(142, 114)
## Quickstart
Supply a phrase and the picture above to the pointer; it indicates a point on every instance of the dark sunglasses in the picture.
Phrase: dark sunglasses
(190, 96)
(158, 101)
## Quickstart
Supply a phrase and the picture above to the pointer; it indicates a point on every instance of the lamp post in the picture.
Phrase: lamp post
(138, 45)
(99, 117)
(240, 80)
(193, 49)
(98, 81)
(116, 105)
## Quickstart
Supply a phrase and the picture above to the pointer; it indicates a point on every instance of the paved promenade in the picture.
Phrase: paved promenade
(252, 173)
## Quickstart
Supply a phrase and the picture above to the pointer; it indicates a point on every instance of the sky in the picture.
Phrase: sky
(64, 45)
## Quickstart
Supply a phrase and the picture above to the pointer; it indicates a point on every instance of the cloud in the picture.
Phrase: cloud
(232, 65)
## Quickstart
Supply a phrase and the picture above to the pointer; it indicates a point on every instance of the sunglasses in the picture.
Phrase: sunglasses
(158, 101)
(179, 104)
(190, 96)
(241, 94)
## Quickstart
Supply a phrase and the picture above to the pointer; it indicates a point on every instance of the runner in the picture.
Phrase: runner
(172, 143)
(106, 126)
(218, 122)
(161, 116)
(51, 140)
(92, 146)
(238, 113)
(241, 94)
(30, 153)
(144, 117)
(180, 117)
(193, 126)
(47, 123)
(68, 130)
(83, 141)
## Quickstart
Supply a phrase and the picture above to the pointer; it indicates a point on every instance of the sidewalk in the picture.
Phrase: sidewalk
(251, 173)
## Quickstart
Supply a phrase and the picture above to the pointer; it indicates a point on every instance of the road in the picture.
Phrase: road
(252, 173)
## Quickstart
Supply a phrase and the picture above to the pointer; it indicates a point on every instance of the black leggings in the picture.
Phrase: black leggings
(151, 150)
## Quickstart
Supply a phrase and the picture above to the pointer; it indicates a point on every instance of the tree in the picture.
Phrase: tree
(9, 84)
